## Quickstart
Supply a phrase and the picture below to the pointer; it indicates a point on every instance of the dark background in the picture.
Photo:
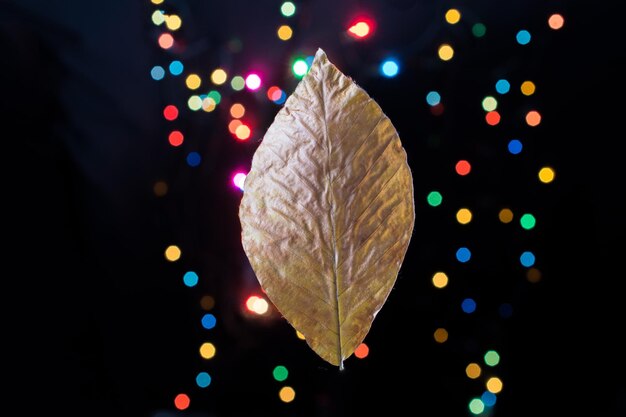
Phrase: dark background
(98, 323)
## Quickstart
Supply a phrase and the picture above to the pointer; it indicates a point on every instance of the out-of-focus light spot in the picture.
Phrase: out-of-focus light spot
(453, 16)
(515, 146)
(218, 76)
(468, 305)
(489, 103)
(280, 373)
(476, 406)
(173, 22)
(533, 275)
(492, 358)
(546, 175)
(434, 198)
(172, 253)
(207, 302)
(473, 370)
(233, 125)
(440, 279)
(505, 310)
(158, 17)
(193, 159)
(523, 37)
(464, 216)
(527, 259)
(257, 305)
(253, 82)
(492, 118)
(215, 96)
(160, 188)
(157, 73)
(190, 279)
(208, 104)
(207, 350)
(300, 335)
(194, 102)
(239, 179)
(176, 67)
(284, 32)
(437, 109)
(527, 221)
(463, 254)
(360, 29)
(528, 88)
(433, 98)
(209, 321)
(203, 379)
(193, 81)
(441, 335)
(237, 83)
(287, 394)
(175, 138)
(463, 167)
(243, 132)
(479, 30)
(237, 110)
(362, 351)
(488, 398)
(505, 215)
(445, 52)
(288, 9)
(503, 86)
(556, 21)
(166, 41)
(182, 401)
(300, 68)
(157, 1)
(494, 384)
(170, 112)
(274, 93)
(389, 68)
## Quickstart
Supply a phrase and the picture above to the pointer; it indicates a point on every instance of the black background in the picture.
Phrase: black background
(98, 323)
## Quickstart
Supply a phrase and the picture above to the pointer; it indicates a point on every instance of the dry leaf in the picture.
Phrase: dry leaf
(327, 211)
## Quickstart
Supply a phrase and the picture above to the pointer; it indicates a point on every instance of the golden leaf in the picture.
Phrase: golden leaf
(327, 211)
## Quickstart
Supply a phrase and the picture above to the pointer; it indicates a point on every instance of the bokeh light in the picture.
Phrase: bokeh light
(253, 82)
(284, 32)
(515, 146)
(434, 198)
(468, 305)
(389, 68)
(464, 216)
(453, 16)
(527, 259)
(207, 350)
(209, 321)
(203, 379)
(445, 52)
(492, 358)
(190, 279)
(463, 167)
(219, 76)
(440, 279)
(172, 253)
(463, 254)
(523, 37)
(287, 394)
(239, 179)
(362, 351)
(280, 373)
(182, 401)
(473, 370)
(440, 335)
(556, 21)
(527, 221)
(494, 384)
(546, 175)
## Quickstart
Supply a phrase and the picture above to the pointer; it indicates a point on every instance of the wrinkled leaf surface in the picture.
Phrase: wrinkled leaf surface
(327, 211)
